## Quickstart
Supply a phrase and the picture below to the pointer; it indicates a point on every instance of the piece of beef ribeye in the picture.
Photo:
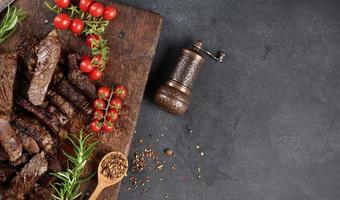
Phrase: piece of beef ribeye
(8, 68)
(24, 181)
(36, 131)
(48, 54)
(9, 140)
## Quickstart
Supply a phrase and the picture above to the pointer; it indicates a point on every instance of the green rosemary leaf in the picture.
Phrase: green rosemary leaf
(10, 21)
(70, 180)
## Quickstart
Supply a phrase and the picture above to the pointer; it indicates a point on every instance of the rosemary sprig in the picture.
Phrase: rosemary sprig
(70, 180)
(13, 16)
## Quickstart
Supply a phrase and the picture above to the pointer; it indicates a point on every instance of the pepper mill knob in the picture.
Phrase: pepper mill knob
(174, 95)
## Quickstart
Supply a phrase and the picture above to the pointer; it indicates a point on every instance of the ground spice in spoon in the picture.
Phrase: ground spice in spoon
(114, 166)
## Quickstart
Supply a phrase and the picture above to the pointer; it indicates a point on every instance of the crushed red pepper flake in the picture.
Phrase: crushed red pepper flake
(148, 160)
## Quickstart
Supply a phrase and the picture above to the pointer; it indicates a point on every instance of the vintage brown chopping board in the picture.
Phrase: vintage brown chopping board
(133, 38)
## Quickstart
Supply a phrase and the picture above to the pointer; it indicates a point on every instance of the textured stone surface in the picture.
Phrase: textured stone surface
(267, 119)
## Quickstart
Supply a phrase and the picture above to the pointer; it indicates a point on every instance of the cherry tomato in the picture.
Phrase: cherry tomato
(95, 74)
(116, 103)
(95, 126)
(62, 21)
(112, 115)
(86, 66)
(76, 26)
(99, 104)
(96, 9)
(62, 3)
(90, 40)
(108, 127)
(120, 91)
(85, 57)
(98, 114)
(110, 12)
(104, 92)
(97, 61)
(84, 4)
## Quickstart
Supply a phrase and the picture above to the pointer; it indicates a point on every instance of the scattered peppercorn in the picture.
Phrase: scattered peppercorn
(168, 152)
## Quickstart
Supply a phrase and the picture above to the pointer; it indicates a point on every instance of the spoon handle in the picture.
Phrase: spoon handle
(97, 191)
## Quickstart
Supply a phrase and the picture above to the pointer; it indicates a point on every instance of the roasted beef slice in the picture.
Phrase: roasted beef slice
(8, 68)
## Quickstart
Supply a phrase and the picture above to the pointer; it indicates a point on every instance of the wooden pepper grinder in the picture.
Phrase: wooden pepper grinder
(174, 95)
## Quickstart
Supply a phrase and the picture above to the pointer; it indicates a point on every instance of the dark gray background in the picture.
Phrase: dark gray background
(267, 119)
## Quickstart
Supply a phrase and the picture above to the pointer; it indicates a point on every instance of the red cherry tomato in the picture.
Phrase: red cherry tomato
(120, 91)
(96, 9)
(112, 115)
(76, 26)
(95, 74)
(84, 4)
(116, 103)
(85, 57)
(108, 127)
(86, 66)
(98, 114)
(110, 12)
(62, 3)
(95, 126)
(99, 104)
(97, 61)
(91, 40)
(104, 92)
(62, 21)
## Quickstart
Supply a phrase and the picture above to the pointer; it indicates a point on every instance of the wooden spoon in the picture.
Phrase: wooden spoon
(103, 181)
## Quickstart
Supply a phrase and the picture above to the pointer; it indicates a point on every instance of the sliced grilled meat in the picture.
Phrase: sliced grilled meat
(22, 160)
(78, 99)
(79, 79)
(63, 120)
(28, 143)
(36, 131)
(24, 181)
(28, 54)
(48, 54)
(42, 115)
(9, 140)
(8, 68)
(61, 103)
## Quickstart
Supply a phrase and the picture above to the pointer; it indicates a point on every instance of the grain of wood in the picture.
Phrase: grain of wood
(133, 38)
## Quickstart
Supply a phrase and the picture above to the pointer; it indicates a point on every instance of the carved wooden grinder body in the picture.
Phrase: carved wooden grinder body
(174, 95)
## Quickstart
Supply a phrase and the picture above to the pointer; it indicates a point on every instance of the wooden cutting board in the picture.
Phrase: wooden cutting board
(133, 38)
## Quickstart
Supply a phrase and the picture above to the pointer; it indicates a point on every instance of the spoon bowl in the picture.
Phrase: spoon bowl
(103, 181)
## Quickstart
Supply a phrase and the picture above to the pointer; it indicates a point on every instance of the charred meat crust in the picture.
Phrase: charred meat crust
(48, 119)
(24, 181)
(36, 131)
(9, 140)
(28, 55)
(63, 119)
(79, 79)
(23, 159)
(61, 103)
(48, 54)
(28, 143)
(8, 68)
(79, 100)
